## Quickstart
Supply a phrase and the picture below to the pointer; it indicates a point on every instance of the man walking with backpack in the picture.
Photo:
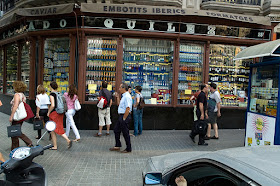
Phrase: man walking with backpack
(104, 111)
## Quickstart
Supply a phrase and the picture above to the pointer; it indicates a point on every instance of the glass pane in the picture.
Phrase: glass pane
(190, 74)
(148, 63)
(264, 91)
(25, 65)
(1, 69)
(12, 51)
(56, 63)
(231, 77)
(101, 66)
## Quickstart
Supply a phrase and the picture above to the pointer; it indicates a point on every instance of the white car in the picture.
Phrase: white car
(236, 166)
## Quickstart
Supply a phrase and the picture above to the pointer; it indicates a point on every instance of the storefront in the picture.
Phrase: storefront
(168, 51)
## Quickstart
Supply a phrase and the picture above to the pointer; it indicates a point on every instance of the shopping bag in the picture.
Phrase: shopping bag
(201, 126)
(20, 112)
(38, 124)
(77, 105)
(14, 130)
(29, 112)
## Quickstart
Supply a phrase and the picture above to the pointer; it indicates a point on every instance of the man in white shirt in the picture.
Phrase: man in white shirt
(124, 111)
(214, 111)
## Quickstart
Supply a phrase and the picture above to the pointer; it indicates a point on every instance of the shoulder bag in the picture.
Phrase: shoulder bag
(77, 105)
(20, 112)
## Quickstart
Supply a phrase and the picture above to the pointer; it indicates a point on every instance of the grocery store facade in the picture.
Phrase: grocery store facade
(169, 51)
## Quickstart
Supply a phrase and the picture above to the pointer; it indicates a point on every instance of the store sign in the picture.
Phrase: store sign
(156, 10)
(176, 27)
(13, 32)
(260, 130)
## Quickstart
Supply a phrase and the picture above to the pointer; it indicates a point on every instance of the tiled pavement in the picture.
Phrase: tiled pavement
(89, 162)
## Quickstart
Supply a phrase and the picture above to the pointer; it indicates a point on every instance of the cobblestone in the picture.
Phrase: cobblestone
(89, 161)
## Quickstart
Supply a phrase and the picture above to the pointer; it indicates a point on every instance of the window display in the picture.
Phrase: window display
(231, 77)
(190, 71)
(101, 66)
(12, 51)
(25, 66)
(1, 69)
(56, 63)
(148, 63)
(264, 90)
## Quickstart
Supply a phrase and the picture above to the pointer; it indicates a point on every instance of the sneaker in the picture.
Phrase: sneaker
(207, 138)
(214, 137)
(203, 144)
(97, 135)
(192, 138)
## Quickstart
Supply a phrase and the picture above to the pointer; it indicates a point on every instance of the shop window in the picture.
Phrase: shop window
(12, 51)
(264, 90)
(56, 63)
(101, 66)
(1, 69)
(25, 65)
(231, 77)
(148, 63)
(190, 71)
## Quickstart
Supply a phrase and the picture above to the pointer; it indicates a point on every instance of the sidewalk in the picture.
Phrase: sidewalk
(89, 162)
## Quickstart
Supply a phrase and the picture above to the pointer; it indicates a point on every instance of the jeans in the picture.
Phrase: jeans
(137, 117)
(71, 123)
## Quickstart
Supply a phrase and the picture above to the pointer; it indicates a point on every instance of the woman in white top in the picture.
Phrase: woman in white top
(42, 103)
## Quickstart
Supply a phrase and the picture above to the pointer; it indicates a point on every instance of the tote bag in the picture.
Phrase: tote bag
(20, 112)
(14, 130)
(77, 105)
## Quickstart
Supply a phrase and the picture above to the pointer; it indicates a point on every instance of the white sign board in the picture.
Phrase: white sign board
(260, 130)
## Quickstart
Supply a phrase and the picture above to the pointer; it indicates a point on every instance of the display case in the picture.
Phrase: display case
(148, 63)
(1, 69)
(25, 65)
(231, 77)
(190, 70)
(12, 56)
(101, 66)
(264, 90)
(56, 63)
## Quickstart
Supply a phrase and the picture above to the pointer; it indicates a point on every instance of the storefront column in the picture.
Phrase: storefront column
(5, 70)
(19, 61)
(41, 60)
(206, 62)
(82, 67)
(72, 59)
(175, 72)
(32, 86)
(119, 64)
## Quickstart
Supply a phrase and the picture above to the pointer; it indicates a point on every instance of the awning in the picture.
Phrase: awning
(107, 8)
(46, 10)
(271, 48)
(7, 20)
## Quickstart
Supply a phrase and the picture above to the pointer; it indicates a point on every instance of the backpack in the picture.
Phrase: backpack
(61, 106)
(102, 103)
(141, 103)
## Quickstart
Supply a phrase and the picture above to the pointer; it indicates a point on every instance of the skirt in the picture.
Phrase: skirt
(58, 119)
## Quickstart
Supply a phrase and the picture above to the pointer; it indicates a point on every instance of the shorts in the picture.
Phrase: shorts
(104, 114)
(212, 117)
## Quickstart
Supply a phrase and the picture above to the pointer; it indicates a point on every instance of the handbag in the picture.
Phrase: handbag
(38, 124)
(14, 130)
(77, 105)
(201, 127)
(20, 112)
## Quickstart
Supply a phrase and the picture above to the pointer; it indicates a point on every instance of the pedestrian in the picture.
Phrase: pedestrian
(200, 126)
(57, 118)
(129, 89)
(42, 103)
(104, 113)
(137, 112)
(124, 111)
(214, 111)
(194, 101)
(19, 88)
(70, 98)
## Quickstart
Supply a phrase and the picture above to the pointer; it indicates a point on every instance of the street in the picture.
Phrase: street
(89, 162)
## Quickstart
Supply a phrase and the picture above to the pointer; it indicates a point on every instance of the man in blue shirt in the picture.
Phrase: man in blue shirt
(124, 111)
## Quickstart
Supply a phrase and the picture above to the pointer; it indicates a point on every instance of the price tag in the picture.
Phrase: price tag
(92, 87)
(109, 87)
(187, 91)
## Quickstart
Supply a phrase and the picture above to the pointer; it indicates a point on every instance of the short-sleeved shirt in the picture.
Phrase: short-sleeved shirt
(55, 104)
(107, 94)
(70, 102)
(201, 98)
(216, 96)
(125, 102)
(135, 99)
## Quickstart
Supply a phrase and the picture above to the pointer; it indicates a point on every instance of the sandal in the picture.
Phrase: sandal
(52, 148)
(69, 144)
(76, 140)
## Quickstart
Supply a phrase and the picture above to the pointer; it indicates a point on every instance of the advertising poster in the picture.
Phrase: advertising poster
(260, 130)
